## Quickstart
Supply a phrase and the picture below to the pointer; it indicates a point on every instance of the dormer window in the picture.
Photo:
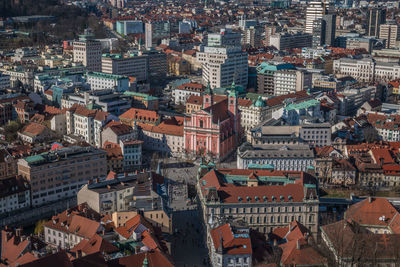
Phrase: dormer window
(273, 198)
(265, 198)
(248, 199)
(282, 198)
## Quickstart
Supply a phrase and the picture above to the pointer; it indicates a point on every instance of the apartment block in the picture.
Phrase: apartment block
(131, 66)
(282, 41)
(391, 33)
(116, 193)
(88, 51)
(223, 65)
(101, 81)
(59, 174)
(15, 194)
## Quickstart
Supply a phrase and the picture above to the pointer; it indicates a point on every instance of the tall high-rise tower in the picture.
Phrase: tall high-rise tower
(376, 17)
(316, 10)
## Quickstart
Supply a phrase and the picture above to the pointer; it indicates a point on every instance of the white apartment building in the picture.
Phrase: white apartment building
(65, 232)
(290, 81)
(4, 82)
(282, 41)
(279, 157)
(16, 76)
(88, 51)
(391, 33)
(386, 125)
(118, 193)
(87, 124)
(155, 31)
(15, 194)
(168, 139)
(130, 66)
(316, 10)
(181, 93)
(101, 81)
(224, 65)
(224, 38)
(132, 152)
(252, 115)
(366, 69)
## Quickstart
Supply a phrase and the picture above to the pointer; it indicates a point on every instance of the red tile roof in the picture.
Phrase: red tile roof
(231, 244)
(168, 127)
(384, 154)
(371, 213)
(230, 193)
(299, 253)
(382, 121)
(155, 259)
(143, 115)
(93, 245)
(76, 221)
(52, 110)
(294, 231)
(12, 247)
(34, 129)
(59, 259)
(120, 128)
(278, 100)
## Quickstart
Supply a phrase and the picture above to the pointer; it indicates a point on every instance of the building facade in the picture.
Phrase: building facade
(88, 51)
(131, 66)
(215, 130)
(260, 199)
(59, 174)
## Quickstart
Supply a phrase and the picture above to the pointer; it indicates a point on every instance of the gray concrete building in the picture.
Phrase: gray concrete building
(125, 192)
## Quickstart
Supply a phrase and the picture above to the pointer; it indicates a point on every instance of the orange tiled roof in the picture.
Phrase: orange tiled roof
(369, 212)
(140, 115)
(231, 244)
(34, 129)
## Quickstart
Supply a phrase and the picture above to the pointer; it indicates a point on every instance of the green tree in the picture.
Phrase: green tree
(11, 130)
(39, 227)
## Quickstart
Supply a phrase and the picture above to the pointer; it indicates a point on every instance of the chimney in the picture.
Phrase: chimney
(18, 231)
(369, 199)
(298, 244)
(137, 249)
(220, 249)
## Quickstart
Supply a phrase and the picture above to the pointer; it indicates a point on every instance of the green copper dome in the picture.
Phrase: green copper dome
(233, 93)
(259, 103)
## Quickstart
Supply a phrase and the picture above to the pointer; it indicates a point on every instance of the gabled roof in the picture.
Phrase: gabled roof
(76, 221)
(59, 259)
(299, 253)
(231, 243)
(154, 258)
(120, 129)
(12, 247)
(294, 231)
(93, 245)
(34, 129)
(140, 115)
(371, 211)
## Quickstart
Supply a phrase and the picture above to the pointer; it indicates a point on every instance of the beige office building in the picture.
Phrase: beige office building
(59, 174)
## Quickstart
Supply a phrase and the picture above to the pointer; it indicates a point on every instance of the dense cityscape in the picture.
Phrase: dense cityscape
(215, 133)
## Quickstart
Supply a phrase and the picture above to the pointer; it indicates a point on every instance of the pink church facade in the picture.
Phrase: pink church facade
(214, 131)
